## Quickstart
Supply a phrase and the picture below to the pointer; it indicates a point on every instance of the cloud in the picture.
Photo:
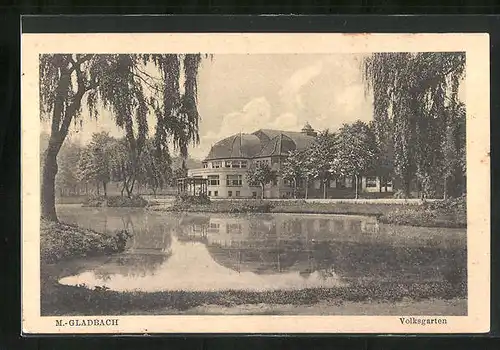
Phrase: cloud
(290, 93)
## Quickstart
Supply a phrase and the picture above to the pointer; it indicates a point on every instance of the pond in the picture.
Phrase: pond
(262, 252)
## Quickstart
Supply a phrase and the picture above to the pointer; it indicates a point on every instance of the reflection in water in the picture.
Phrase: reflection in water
(191, 267)
(266, 251)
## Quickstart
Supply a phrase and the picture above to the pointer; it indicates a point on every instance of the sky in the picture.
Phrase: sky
(244, 93)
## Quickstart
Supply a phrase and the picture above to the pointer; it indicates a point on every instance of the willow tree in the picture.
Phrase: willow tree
(131, 87)
(412, 96)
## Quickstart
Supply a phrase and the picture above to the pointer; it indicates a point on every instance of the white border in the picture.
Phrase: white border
(476, 47)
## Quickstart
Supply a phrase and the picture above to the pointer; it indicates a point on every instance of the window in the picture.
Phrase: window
(213, 227)
(243, 163)
(234, 180)
(216, 193)
(213, 180)
(371, 181)
(233, 228)
(228, 163)
(229, 193)
(217, 164)
(236, 164)
(387, 182)
(237, 193)
(205, 165)
(209, 193)
(254, 194)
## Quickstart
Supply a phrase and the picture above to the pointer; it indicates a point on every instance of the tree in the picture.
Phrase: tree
(122, 84)
(122, 166)
(260, 175)
(411, 92)
(356, 151)
(94, 164)
(177, 174)
(156, 169)
(67, 178)
(321, 155)
(293, 169)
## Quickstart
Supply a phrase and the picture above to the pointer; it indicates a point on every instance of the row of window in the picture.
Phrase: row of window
(231, 228)
(231, 180)
(226, 164)
(229, 193)
(371, 182)
(263, 162)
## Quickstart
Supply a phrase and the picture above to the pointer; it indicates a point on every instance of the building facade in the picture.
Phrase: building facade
(226, 165)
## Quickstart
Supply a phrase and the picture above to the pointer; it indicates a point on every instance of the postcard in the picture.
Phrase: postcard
(255, 183)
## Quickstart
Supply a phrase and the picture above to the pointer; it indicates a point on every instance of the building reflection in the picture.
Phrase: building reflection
(350, 247)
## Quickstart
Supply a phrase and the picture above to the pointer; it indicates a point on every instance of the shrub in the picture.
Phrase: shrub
(250, 207)
(184, 199)
(60, 241)
(115, 201)
(122, 201)
(399, 194)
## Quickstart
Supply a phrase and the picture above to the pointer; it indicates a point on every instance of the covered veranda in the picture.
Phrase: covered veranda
(193, 186)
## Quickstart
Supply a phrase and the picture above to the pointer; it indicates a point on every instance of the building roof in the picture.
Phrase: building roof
(261, 143)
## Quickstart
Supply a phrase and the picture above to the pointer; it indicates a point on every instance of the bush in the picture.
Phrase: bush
(60, 241)
(186, 199)
(399, 194)
(122, 201)
(250, 207)
(115, 201)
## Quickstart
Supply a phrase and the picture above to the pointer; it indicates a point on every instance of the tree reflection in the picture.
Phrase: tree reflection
(132, 265)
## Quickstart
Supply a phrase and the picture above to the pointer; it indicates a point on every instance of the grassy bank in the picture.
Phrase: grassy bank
(60, 241)
(69, 300)
(263, 206)
(449, 213)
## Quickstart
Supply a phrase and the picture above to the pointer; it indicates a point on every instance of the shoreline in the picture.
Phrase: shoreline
(397, 213)
(354, 299)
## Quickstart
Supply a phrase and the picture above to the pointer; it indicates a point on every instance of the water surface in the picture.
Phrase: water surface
(207, 252)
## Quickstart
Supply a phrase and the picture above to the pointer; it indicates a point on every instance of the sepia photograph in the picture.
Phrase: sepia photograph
(222, 183)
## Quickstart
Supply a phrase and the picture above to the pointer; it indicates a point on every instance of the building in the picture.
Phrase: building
(224, 168)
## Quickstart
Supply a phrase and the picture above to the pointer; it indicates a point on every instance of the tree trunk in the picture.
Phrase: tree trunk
(48, 200)
(104, 188)
(262, 187)
(123, 187)
(295, 188)
(356, 190)
(324, 189)
(307, 188)
(97, 186)
(445, 190)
